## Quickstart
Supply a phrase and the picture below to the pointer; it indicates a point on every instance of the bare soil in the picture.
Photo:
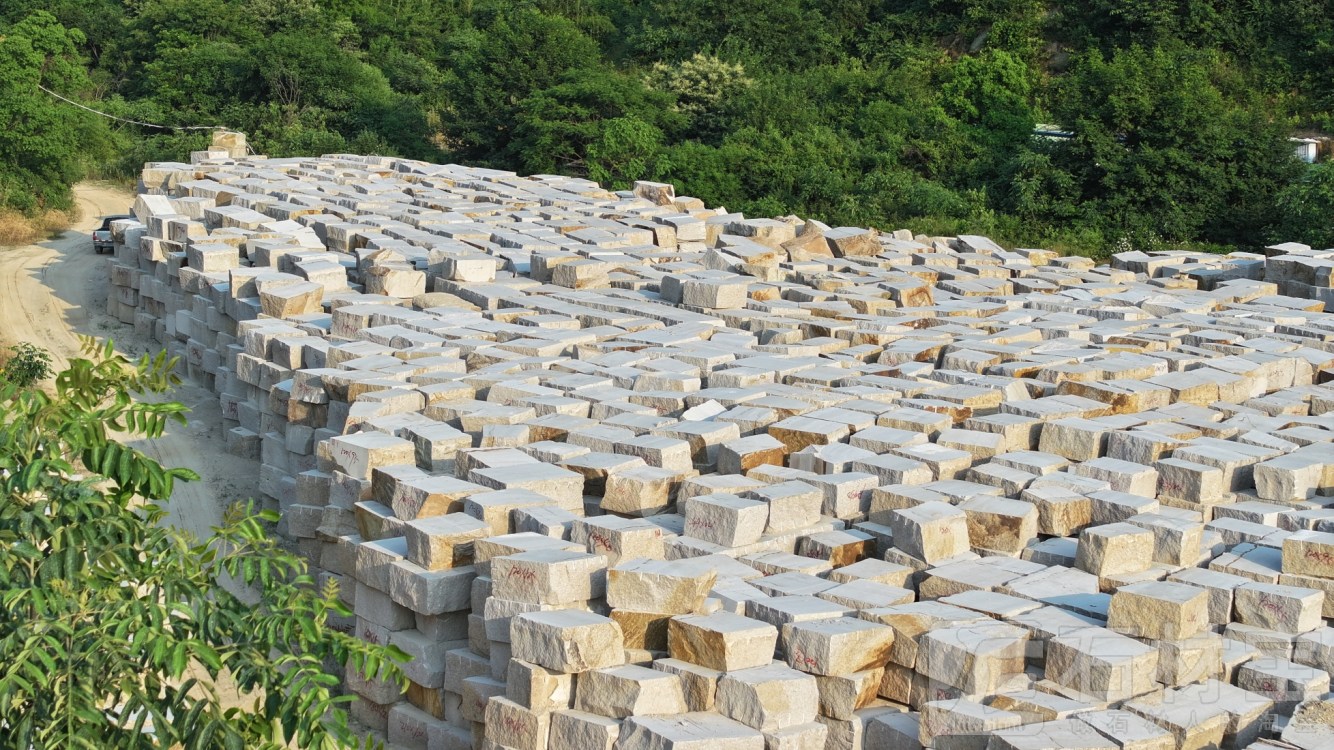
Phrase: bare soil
(53, 292)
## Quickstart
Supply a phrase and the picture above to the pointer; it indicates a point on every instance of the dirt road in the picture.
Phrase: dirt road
(54, 291)
(51, 293)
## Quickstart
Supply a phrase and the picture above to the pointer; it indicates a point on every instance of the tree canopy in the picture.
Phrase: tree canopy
(916, 114)
(45, 143)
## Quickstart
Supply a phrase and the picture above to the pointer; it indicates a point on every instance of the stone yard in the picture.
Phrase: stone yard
(622, 471)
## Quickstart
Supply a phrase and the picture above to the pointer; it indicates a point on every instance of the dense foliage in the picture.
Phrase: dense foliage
(116, 628)
(916, 113)
(27, 365)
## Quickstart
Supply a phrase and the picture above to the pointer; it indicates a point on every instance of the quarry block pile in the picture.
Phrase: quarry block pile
(619, 470)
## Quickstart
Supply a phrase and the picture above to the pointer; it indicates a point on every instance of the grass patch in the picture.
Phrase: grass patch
(20, 229)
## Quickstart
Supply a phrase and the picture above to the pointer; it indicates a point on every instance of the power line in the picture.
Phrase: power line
(132, 122)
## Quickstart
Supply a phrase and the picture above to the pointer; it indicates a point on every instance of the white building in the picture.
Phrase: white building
(1308, 149)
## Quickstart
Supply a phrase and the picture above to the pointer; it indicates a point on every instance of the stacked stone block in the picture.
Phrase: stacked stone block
(621, 471)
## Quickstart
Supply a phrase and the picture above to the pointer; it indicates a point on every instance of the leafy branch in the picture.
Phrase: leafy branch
(115, 628)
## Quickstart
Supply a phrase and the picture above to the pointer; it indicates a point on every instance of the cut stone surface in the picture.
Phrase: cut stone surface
(557, 577)
(931, 532)
(567, 640)
(579, 730)
(838, 646)
(619, 692)
(958, 718)
(726, 520)
(1114, 549)
(1063, 734)
(1309, 553)
(1128, 731)
(1282, 681)
(769, 698)
(1287, 609)
(1195, 725)
(978, 658)
(1102, 664)
(676, 588)
(1159, 610)
(692, 731)
(722, 641)
(444, 541)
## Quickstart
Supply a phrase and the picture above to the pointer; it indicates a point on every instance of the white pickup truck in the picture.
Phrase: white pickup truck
(102, 242)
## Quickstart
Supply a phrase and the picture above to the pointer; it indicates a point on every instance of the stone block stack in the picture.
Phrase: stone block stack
(618, 470)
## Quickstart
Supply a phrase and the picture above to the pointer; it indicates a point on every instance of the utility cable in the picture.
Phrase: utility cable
(133, 122)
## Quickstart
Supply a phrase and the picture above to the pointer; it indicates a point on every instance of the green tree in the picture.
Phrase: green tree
(45, 144)
(1305, 208)
(512, 53)
(1161, 149)
(706, 89)
(782, 34)
(991, 92)
(27, 365)
(300, 70)
(554, 128)
(112, 623)
(626, 150)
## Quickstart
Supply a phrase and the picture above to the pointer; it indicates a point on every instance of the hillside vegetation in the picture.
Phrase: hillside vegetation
(914, 114)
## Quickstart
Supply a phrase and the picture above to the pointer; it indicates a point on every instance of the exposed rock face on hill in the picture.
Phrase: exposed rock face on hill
(618, 470)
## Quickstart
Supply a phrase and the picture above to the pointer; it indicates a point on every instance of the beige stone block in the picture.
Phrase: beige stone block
(1249, 714)
(838, 646)
(1123, 476)
(726, 520)
(1188, 481)
(741, 455)
(676, 588)
(567, 640)
(809, 736)
(975, 658)
(1194, 725)
(579, 730)
(930, 532)
(998, 524)
(692, 731)
(1287, 609)
(1282, 681)
(514, 726)
(1113, 549)
(629, 690)
(1062, 734)
(769, 698)
(538, 688)
(642, 630)
(1176, 541)
(722, 641)
(842, 695)
(291, 300)
(1189, 660)
(555, 577)
(1309, 553)
(1159, 610)
(1102, 664)
(442, 542)
(945, 719)
(698, 684)
(1128, 731)
(1061, 511)
(640, 491)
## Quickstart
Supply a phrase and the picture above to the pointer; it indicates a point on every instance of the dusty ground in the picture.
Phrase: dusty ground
(52, 292)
